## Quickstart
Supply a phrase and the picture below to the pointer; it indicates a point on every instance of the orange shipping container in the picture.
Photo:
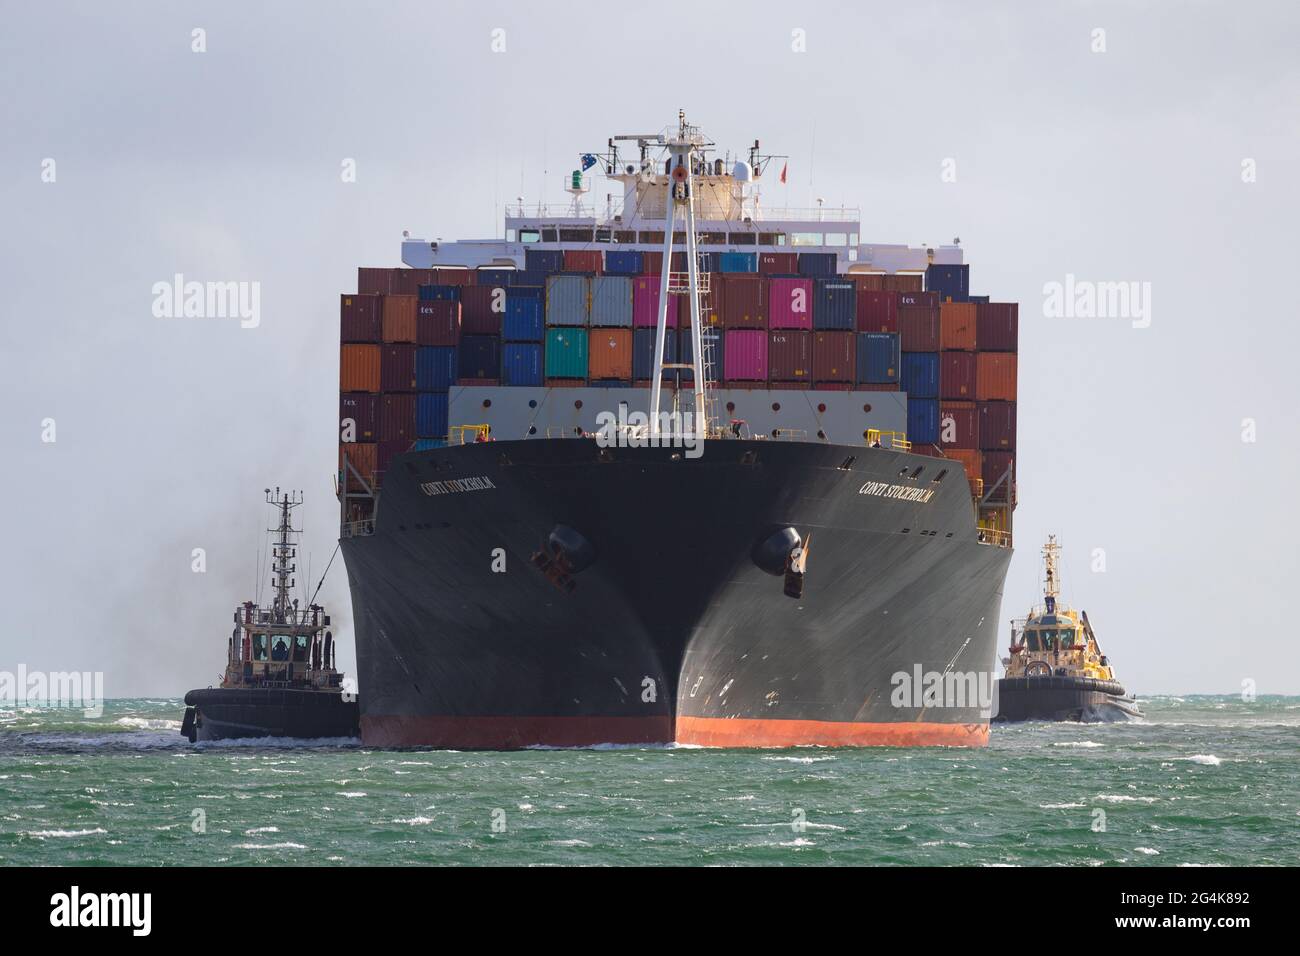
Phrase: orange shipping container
(359, 368)
(399, 318)
(362, 457)
(903, 282)
(971, 459)
(995, 377)
(609, 354)
(957, 326)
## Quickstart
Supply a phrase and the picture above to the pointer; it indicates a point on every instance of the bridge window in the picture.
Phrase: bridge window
(627, 235)
(260, 645)
(655, 238)
(529, 235)
(771, 238)
(836, 239)
(743, 239)
(548, 235)
(575, 235)
(807, 239)
(710, 238)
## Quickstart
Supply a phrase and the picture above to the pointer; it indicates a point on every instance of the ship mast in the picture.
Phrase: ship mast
(1052, 585)
(680, 197)
(282, 552)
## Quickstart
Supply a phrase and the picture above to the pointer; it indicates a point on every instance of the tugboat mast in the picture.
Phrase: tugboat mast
(282, 552)
(1052, 586)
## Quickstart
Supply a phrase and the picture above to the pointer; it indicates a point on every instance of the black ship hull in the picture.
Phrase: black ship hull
(230, 713)
(668, 630)
(1079, 699)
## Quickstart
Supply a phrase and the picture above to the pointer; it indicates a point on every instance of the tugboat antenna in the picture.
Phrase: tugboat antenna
(282, 551)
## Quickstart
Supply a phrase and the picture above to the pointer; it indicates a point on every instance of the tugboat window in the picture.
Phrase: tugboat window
(301, 643)
(280, 649)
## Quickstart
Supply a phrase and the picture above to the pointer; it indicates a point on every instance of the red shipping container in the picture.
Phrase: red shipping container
(362, 409)
(408, 281)
(397, 417)
(903, 282)
(359, 368)
(397, 368)
(971, 461)
(744, 355)
(877, 311)
(957, 376)
(452, 276)
(997, 426)
(996, 326)
(994, 467)
(437, 322)
(957, 325)
(868, 282)
(789, 356)
(362, 457)
(399, 318)
(651, 263)
(583, 260)
(744, 301)
(482, 308)
(714, 302)
(778, 263)
(918, 328)
(958, 425)
(995, 377)
(374, 281)
(834, 356)
(388, 450)
(359, 318)
(790, 303)
(929, 300)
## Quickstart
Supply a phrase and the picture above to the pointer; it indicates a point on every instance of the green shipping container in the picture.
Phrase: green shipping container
(566, 353)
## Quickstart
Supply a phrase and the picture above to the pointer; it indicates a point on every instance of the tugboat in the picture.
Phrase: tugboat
(1055, 669)
(280, 679)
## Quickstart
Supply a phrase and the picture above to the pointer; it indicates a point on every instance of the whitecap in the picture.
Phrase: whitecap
(1060, 806)
(1123, 798)
(1146, 850)
(270, 846)
(1207, 760)
(800, 759)
(353, 793)
(1077, 743)
(414, 821)
(43, 834)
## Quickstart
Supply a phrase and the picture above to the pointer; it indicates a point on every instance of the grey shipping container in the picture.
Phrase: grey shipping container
(568, 300)
(611, 301)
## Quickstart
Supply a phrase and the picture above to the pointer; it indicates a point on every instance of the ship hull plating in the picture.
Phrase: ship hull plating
(667, 629)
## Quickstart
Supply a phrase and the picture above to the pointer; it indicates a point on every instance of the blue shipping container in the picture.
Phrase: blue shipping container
(523, 319)
(480, 357)
(543, 260)
(623, 263)
(436, 293)
(435, 368)
(922, 420)
(431, 415)
(521, 364)
(920, 375)
(878, 358)
(950, 281)
(835, 305)
(530, 280)
(643, 350)
(495, 276)
(817, 263)
(709, 261)
(738, 262)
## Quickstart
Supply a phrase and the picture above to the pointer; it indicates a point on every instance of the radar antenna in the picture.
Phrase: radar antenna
(283, 551)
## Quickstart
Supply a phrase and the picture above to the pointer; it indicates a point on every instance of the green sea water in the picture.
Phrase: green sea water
(1200, 781)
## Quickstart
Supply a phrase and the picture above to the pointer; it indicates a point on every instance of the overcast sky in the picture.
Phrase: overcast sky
(224, 165)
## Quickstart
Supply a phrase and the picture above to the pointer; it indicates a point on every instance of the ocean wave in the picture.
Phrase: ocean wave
(47, 834)
(270, 846)
(1205, 760)
(1077, 743)
(1124, 798)
(800, 759)
(1146, 851)
(1061, 806)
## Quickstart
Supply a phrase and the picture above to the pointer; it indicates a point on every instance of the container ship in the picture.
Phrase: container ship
(684, 468)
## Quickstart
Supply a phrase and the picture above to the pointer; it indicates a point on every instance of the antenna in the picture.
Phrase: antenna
(283, 551)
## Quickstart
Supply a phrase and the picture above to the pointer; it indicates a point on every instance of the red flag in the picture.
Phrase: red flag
(783, 170)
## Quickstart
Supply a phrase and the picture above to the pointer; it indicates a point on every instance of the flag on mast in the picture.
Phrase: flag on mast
(784, 169)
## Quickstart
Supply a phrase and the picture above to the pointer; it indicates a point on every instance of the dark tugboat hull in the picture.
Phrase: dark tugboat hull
(218, 713)
(1078, 699)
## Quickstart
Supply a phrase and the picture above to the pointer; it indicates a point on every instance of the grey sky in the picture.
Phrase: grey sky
(224, 165)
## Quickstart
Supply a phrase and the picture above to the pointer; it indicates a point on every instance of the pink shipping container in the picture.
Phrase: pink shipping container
(834, 356)
(877, 311)
(645, 303)
(789, 357)
(790, 303)
(957, 376)
(745, 355)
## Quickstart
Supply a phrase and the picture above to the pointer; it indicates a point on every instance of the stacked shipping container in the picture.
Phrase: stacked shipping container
(773, 319)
